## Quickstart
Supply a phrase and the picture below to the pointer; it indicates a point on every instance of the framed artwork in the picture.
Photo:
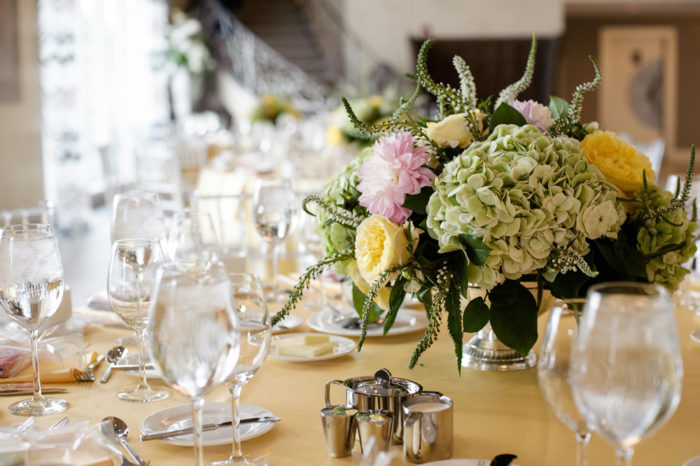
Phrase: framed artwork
(640, 79)
(9, 52)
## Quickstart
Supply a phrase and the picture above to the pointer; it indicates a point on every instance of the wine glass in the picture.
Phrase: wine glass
(129, 286)
(31, 289)
(309, 236)
(256, 332)
(192, 239)
(194, 334)
(626, 367)
(137, 214)
(274, 209)
(553, 370)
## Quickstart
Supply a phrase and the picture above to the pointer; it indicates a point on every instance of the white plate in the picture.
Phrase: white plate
(407, 321)
(341, 347)
(462, 462)
(290, 322)
(180, 417)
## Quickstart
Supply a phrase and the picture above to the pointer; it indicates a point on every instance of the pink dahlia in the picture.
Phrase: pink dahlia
(394, 169)
(535, 113)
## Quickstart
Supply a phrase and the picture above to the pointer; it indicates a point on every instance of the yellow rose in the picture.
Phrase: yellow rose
(621, 163)
(380, 245)
(383, 293)
(453, 131)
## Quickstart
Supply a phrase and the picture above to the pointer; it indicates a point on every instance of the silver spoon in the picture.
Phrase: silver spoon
(113, 356)
(114, 427)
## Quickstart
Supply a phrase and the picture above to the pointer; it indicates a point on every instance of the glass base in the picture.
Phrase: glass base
(485, 352)
(243, 461)
(695, 335)
(38, 407)
(140, 395)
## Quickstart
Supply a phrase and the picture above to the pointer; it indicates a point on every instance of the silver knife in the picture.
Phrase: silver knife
(130, 367)
(205, 428)
(27, 391)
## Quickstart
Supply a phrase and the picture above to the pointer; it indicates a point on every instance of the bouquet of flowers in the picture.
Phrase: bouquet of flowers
(186, 45)
(494, 195)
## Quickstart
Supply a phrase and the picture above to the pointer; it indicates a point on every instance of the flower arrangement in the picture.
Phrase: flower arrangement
(186, 45)
(372, 110)
(494, 195)
(270, 107)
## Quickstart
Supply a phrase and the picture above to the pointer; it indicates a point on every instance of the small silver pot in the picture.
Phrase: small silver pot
(380, 392)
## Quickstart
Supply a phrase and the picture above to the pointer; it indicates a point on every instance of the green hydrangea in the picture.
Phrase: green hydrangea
(524, 194)
(342, 192)
(657, 234)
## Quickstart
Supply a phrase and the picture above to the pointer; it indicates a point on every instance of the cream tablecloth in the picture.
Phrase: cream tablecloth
(494, 412)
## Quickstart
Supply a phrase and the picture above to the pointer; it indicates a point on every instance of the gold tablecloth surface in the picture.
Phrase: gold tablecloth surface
(494, 412)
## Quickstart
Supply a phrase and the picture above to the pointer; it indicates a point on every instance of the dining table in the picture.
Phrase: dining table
(494, 412)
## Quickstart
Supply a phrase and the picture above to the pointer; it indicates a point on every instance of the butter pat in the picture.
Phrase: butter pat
(303, 340)
(304, 351)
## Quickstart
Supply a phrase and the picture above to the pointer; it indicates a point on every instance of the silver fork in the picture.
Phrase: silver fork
(60, 423)
(26, 424)
(86, 375)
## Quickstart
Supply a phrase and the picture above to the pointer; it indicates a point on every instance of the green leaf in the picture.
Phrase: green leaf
(454, 322)
(358, 299)
(507, 115)
(568, 285)
(395, 300)
(425, 296)
(558, 106)
(476, 250)
(514, 316)
(418, 202)
(459, 263)
(476, 315)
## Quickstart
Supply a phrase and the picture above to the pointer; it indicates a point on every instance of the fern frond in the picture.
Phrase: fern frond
(577, 99)
(449, 96)
(431, 333)
(365, 129)
(512, 91)
(335, 213)
(369, 302)
(305, 280)
(467, 86)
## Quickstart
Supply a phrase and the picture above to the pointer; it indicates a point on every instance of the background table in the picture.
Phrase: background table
(494, 412)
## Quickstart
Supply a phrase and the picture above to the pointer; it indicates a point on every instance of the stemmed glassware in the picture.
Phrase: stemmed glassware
(553, 370)
(194, 334)
(274, 210)
(255, 342)
(137, 214)
(130, 287)
(31, 289)
(192, 239)
(314, 244)
(626, 367)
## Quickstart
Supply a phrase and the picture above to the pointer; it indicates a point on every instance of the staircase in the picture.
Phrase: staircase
(285, 26)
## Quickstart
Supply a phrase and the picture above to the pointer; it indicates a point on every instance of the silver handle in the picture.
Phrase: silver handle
(133, 453)
(108, 372)
(328, 389)
(205, 428)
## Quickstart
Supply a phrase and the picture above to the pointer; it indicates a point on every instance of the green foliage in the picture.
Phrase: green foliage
(467, 86)
(506, 115)
(476, 315)
(305, 280)
(569, 123)
(454, 321)
(358, 301)
(512, 91)
(335, 214)
(558, 106)
(474, 248)
(418, 202)
(369, 304)
(434, 312)
(395, 300)
(514, 316)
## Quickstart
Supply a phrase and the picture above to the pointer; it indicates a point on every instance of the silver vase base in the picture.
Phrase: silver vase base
(485, 353)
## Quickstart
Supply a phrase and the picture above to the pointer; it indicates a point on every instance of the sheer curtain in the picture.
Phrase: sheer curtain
(103, 86)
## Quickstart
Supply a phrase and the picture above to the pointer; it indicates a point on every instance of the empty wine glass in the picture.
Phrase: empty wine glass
(309, 236)
(194, 334)
(137, 214)
(130, 287)
(553, 370)
(192, 240)
(274, 209)
(31, 289)
(254, 319)
(626, 367)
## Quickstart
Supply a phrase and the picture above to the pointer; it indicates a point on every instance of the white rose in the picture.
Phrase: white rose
(453, 131)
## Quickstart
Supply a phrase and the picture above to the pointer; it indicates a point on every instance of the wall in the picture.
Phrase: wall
(387, 25)
(21, 180)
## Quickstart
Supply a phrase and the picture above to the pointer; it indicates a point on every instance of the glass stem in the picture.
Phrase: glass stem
(322, 285)
(141, 338)
(236, 452)
(197, 405)
(623, 456)
(34, 339)
(582, 438)
(275, 266)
